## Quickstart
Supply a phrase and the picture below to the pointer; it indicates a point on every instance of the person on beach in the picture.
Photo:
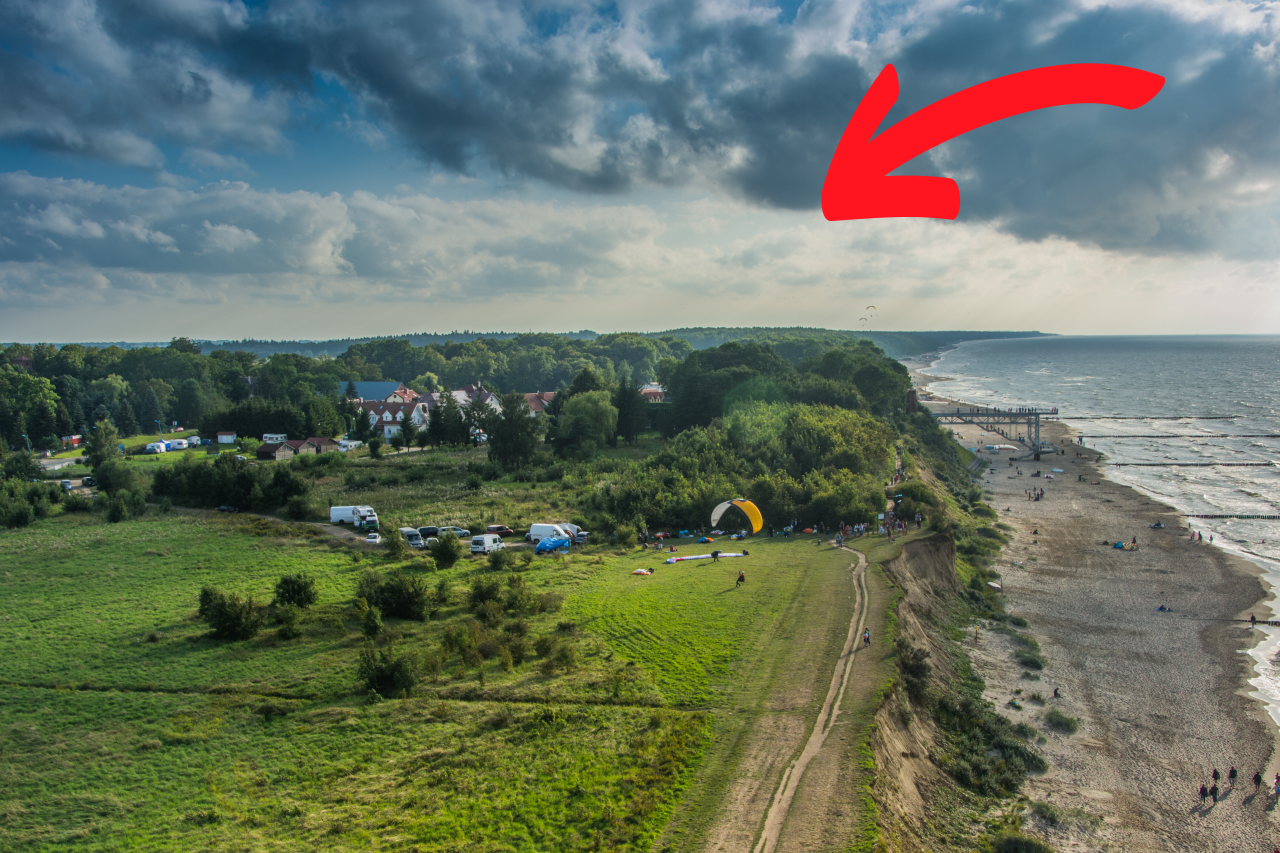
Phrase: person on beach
(1216, 776)
(1202, 537)
(1231, 777)
(1213, 792)
(1204, 792)
(1257, 781)
(1253, 621)
(866, 637)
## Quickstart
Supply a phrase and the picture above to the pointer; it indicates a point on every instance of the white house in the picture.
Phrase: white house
(226, 438)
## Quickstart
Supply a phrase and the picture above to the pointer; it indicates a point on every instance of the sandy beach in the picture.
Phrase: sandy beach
(1161, 697)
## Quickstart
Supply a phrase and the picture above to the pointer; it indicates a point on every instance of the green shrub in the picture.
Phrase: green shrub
(545, 645)
(298, 590)
(565, 656)
(549, 602)
(387, 672)
(230, 616)
(518, 647)
(914, 666)
(288, 617)
(371, 627)
(1015, 842)
(369, 586)
(484, 589)
(297, 508)
(501, 560)
(405, 597)
(447, 551)
(395, 547)
(1058, 721)
(490, 612)
(626, 536)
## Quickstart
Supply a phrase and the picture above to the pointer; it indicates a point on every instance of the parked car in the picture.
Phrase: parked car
(580, 538)
(546, 546)
(88, 481)
(429, 531)
(225, 508)
(456, 531)
(373, 539)
(486, 543)
(413, 537)
(66, 485)
(499, 530)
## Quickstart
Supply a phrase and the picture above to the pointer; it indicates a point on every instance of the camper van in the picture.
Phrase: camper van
(157, 447)
(177, 444)
(363, 517)
(274, 437)
(486, 543)
(413, 537)
(538, 532)
(348, 444)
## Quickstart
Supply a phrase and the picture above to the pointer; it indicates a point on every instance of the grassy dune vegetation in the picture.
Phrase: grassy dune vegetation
(126, 727)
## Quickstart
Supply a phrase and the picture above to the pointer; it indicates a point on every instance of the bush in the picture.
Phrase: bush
(230, 616)
(447, 551)
(913, 664)
(545, 645)
(473, 483)
(518, 647)
(549, 602)
(372, 624)
(297, 508)
(288, 616)
(1015, 842)
(298, 590)
(369, 586)
(484, 589)
(1058, 721)
(396, 548)
(626, 536)
(405, 597)
(387, 672)
(490, 612)
(501, 560)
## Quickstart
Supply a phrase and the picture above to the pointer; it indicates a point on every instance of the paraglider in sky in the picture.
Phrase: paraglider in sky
(863, 319)
(748, 509)
(871, 307)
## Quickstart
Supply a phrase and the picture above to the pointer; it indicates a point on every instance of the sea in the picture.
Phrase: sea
(1209, 399)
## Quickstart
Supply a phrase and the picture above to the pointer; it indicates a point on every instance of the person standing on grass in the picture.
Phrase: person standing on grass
(742, 578)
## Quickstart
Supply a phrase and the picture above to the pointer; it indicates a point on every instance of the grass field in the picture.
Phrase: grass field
(127, 727)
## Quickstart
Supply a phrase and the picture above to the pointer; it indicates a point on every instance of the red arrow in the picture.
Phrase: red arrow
(858, 185)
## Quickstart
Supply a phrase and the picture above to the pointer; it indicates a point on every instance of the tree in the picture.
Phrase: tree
(397, 440)
(126, 421)
(191, 404)
(446, 551)
(375, 447)
(104, 444)
(588, 422)
(453, 426)
(630, 404)
(185, 345)
(435, 425)
(42, 428)
(363, 430)
(323, 419)
(298, 590)
(408, 428)
(152, 411)
(514, 433)
(350, 392)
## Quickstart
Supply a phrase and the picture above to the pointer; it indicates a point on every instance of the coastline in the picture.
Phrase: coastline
(1161, 697)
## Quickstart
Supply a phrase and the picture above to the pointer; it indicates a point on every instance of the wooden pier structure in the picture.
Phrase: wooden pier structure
(996, 419)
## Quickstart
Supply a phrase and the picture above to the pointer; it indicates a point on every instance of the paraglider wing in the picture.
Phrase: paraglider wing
(871, 307)
(748, 509)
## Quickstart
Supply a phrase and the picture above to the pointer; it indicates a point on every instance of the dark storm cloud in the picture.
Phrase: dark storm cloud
(729, 94)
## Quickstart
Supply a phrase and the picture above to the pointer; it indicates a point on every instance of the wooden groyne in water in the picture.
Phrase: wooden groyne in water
(1255, 517)
(1148, 417)
(1192, 435)
(1195, 464)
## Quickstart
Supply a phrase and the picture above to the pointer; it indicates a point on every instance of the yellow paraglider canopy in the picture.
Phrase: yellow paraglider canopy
(748, 509)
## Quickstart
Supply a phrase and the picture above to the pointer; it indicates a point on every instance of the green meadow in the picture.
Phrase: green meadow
(125, 726)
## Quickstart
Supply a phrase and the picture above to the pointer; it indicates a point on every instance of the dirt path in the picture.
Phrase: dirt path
(776, 817)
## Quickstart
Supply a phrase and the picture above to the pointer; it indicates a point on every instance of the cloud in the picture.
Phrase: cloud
(211, 161)
(341, 265)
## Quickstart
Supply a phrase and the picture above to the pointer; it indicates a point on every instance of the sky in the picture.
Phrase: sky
(311, 170)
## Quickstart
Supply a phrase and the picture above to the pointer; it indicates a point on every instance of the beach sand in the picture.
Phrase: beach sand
(1161, 697)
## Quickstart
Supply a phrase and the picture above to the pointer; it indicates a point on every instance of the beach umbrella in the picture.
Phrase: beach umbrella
(748, 509)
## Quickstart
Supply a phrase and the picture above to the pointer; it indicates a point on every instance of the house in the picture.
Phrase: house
(300, 446)
(277, 452)
(385, 418)
(22, 361)
(539, 400)
(322, 444)
(226, 438)
(384, 392)
(70, 441)
(468, 395)
(653, 392)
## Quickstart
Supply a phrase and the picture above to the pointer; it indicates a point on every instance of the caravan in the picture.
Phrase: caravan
(363, 517)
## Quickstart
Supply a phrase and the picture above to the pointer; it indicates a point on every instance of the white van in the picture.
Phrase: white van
(363, 517)
(413, 537)
(538, 532)
(486, 543)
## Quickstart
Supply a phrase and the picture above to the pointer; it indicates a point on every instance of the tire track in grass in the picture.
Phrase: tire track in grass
(779, 807)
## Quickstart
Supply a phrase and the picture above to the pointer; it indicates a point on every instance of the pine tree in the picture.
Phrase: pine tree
(408, 428)
(103, 444)
(125, 421)
(350, 392)
(43, 428)
(453, 427)
(152, 411)
(630, 403)
(435, 425)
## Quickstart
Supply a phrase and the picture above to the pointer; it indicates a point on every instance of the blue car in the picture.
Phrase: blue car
(546, 546)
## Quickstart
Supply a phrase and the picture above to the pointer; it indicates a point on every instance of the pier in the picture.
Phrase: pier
(998, 420)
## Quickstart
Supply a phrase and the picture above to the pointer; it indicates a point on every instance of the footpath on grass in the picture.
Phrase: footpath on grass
(788, 769)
